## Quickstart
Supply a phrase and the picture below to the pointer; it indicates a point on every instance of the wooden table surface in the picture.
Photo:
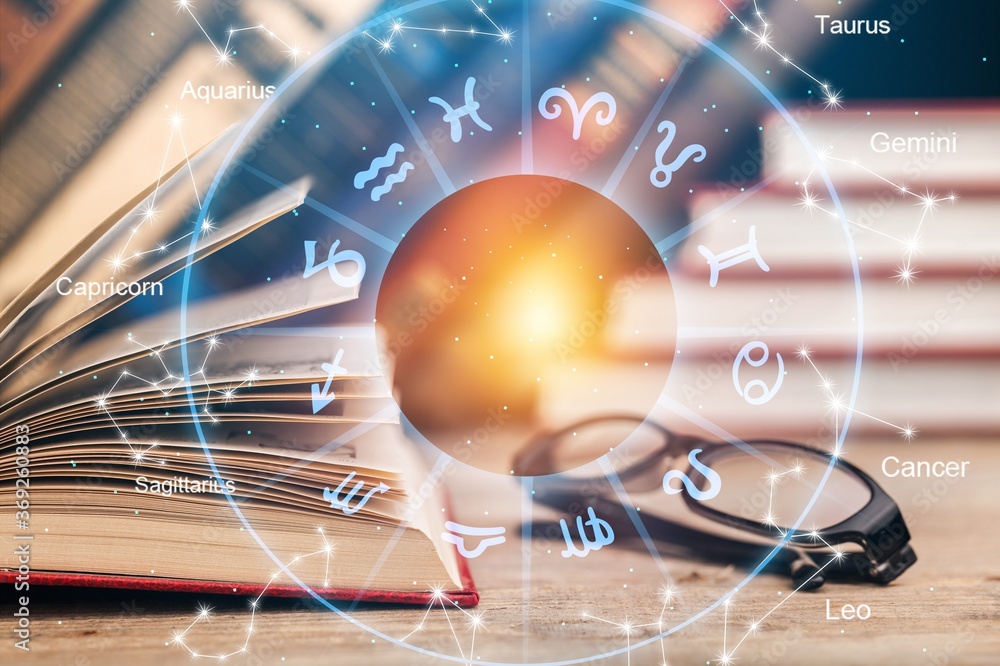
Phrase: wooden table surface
(944, 610)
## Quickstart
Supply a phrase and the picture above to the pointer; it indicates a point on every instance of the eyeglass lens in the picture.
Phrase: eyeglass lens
(775, 486)
(629, 440)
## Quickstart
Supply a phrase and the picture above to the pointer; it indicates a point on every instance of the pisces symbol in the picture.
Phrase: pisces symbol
(495, 535)
(333, 258)
(602, 117)
(714, 480)
(662, 173)
(470, 109)
(343, 503)
(603, 535)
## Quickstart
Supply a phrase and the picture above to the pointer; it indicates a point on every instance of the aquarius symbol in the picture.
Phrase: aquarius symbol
(662, 173)
(714, 480)
(322, 398)
(377, 165)
(737, 255)
(766, 393)
(602, 117)
(492, 532)
(603, 535)
(334, 258)
(343, 503)
(470, 108)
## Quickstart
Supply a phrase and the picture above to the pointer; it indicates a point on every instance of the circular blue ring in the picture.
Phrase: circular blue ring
(420, 4)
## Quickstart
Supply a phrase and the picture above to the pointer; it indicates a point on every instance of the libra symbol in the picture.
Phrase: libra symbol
(470, 108)
(495, 535)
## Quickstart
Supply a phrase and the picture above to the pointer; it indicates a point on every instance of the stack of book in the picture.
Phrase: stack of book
(919, 193)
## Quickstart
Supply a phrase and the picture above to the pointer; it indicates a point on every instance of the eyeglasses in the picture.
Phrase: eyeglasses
(763, 488)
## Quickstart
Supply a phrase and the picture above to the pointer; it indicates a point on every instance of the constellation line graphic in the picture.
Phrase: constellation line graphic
(225, 53)
(165, 386)
(762, 37)
(928, 203)
(179, 637)
(838, 406)
(397, 27)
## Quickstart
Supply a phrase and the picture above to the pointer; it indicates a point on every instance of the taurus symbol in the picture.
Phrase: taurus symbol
(602, 117)
(343, 503)
(662, 173)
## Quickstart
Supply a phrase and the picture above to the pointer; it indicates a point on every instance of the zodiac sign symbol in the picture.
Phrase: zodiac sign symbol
(603, 535)
(737, 255)
(492, 532)
(662, 173)
(334, 258)
(454, 116)
(342, 503)
(377, 165)
(766, 393)
(602, 117)
(322, 398)
(714, 480)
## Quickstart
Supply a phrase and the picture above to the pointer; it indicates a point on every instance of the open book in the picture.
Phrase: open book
(300, 474)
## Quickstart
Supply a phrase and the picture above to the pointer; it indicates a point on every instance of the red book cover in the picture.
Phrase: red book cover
(465, 597)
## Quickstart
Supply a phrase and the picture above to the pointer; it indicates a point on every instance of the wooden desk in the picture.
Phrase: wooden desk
(944, 610)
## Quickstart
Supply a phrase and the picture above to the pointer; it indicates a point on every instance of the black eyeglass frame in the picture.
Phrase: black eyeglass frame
(878, 527)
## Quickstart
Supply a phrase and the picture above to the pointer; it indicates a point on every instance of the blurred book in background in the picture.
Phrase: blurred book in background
(930, 291)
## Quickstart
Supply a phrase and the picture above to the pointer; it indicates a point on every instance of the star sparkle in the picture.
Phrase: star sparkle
(837, 403)
(226, 53)
(758, 29)
(386, 43)
(113, 400)
(928, 203)
(180, 637)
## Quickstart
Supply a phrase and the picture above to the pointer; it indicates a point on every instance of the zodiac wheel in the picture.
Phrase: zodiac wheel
(547, 220)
